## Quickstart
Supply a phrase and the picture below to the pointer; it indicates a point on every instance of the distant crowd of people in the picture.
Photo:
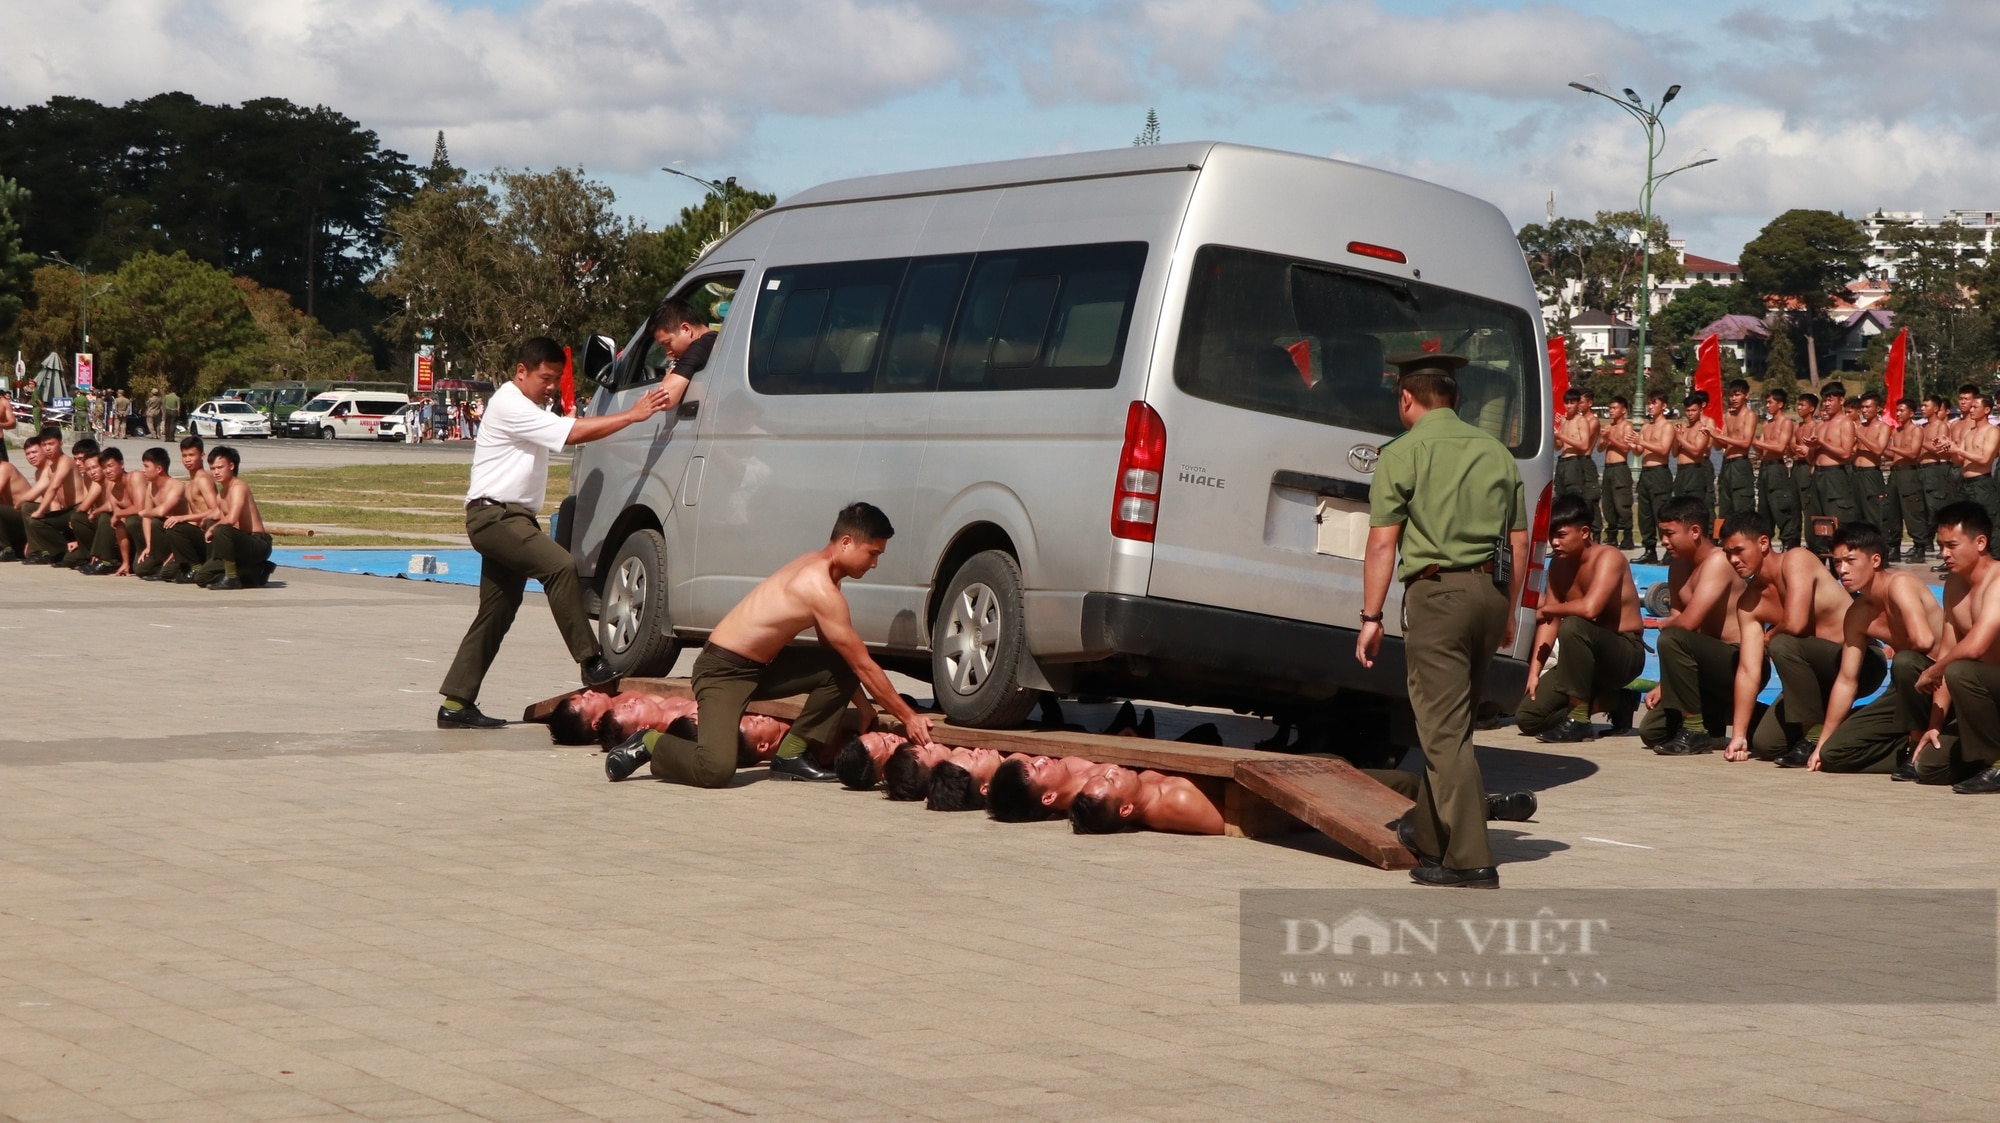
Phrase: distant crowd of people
(1820, 455)
(82, 509)
(121, 416)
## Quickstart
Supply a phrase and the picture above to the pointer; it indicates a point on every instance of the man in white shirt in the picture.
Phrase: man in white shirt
(510, 478)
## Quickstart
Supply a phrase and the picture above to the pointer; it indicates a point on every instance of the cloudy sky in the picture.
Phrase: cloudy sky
(1805, 103)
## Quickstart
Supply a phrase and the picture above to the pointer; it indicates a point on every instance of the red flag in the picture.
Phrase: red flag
(1558, 371)
(1302, 358)
(569, 383)
(1708, 369)
(1893, 377)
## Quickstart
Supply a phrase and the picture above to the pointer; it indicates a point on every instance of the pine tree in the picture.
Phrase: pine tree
(1151, 133)
(441, 173)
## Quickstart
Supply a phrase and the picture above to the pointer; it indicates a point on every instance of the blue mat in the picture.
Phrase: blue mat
(453, 567)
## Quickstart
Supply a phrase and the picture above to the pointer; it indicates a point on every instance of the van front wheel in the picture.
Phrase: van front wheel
(977, 643)
(633, 627)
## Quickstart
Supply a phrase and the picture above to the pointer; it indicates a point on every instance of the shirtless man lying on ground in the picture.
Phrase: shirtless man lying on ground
(959, 781)
(860, 761)
(746, 659)
(579, 718)
(1028, 789)
(1116, 798)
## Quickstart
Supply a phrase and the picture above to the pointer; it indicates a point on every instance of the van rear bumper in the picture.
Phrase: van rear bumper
(1198, 653)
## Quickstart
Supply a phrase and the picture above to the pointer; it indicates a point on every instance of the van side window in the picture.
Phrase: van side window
(1307, 340)
(1046, 319)
(916, 337)
(818, 328)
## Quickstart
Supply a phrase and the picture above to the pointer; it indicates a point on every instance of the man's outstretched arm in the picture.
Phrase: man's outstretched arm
(836, 630)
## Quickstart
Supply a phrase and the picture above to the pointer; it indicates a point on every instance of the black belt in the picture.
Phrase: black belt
(472, 503)
(1433, 572)
(1575, 456)
(733, 658)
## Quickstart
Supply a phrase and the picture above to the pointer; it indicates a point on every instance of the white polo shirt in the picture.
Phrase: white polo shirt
(510, 460)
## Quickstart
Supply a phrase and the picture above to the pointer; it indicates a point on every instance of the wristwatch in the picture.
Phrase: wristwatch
(1367, 619)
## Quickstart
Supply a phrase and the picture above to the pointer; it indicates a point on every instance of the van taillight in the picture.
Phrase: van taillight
(1135, 502)
(1381, 253)
(1538, 546)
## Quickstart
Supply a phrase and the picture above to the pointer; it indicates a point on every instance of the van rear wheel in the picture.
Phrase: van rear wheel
(977, 643)
(633, 626)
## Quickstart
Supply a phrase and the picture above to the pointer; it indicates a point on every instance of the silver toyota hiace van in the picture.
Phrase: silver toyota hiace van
(1122, 408)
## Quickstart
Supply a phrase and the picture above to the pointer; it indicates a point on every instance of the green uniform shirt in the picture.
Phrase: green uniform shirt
(1452, 487)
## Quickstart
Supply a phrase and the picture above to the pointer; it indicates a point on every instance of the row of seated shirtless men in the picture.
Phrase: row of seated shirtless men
(1096, 798)
(85, 510)
(1832, 632)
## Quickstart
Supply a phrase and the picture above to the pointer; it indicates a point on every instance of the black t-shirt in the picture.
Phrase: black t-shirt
(696, 356)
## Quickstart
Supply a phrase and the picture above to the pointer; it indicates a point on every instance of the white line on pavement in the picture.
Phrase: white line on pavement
(1615, 842)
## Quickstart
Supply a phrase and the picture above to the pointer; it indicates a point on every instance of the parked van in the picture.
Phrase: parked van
(1122, 408)
(345, 414)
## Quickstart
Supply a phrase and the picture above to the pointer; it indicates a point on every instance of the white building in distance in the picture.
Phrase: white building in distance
(1878, 224)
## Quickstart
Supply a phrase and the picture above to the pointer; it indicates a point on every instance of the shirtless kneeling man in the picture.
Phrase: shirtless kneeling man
(1897, 609)
(746, 660)
(1805, 608)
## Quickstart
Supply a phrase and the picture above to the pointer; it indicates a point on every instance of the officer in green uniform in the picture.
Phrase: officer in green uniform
(1448, 497)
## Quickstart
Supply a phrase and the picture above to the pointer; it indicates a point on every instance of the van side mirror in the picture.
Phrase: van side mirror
(600, 355)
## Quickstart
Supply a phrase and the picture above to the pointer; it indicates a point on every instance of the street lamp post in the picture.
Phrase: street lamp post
(1656, 143)
(83, 295)
(721, 188)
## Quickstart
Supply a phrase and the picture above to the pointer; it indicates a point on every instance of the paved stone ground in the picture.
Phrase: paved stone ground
(241, 877)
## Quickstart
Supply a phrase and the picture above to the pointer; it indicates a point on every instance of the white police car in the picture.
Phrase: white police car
(226, 417)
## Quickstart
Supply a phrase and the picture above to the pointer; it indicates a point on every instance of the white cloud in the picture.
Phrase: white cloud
(616, 84)
(1848, 106)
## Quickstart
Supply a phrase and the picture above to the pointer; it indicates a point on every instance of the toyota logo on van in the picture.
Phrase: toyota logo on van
(1362, 458)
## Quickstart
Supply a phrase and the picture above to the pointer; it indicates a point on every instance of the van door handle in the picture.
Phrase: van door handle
(688, 409)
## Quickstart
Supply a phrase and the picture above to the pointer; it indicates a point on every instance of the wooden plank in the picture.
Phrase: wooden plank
(1245, 814)
(541, 711)
(1334, 798)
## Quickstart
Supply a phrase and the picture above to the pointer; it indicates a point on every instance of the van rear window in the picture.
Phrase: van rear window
(1307, 340)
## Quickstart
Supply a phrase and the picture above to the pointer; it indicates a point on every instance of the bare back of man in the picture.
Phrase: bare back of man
(782, 605)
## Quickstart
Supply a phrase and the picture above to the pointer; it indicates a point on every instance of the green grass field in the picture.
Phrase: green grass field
(368, 505)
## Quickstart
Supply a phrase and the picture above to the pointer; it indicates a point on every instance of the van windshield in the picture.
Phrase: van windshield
(1300, 339)
(317, 405)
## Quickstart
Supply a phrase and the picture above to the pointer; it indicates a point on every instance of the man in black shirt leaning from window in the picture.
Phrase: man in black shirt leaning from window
(688, 340)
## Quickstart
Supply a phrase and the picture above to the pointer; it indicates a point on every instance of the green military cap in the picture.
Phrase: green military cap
(1411, 362)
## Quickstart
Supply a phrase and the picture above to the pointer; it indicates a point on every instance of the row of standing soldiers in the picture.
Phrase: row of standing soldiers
(1820, 456)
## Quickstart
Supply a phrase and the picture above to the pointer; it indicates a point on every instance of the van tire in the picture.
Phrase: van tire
(326, 433)
(978, 641)
(633, 626)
